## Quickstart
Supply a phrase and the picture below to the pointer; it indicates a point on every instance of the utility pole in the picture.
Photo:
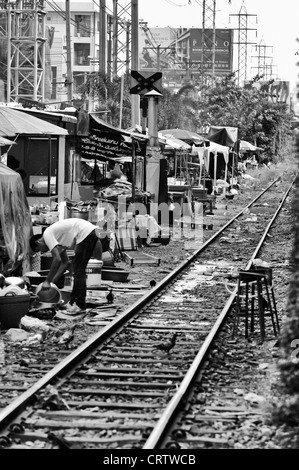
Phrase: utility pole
(103, 38)
(135, 114)
(115, 38)
(69, 73)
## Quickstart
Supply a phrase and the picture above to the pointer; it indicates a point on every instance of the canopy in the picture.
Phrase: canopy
(14, 122)
(176, 144)
(223, 135)
(217, 148)
(213, 147)
(169, 141)
(192, 138)
(248, 147)
(4, 141)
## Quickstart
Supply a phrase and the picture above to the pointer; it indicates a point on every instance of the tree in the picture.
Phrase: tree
(108, 93)
(220, 102)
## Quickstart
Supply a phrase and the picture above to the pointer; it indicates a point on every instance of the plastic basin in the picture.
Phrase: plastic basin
(42, 276)
(12, 309)
(114, 274)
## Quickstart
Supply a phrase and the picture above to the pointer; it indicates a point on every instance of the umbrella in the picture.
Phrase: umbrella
(4, 141)
(188, 136)
(247, 146)
(14, 122)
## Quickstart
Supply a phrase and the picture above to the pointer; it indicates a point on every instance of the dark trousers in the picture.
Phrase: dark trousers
(83, 253)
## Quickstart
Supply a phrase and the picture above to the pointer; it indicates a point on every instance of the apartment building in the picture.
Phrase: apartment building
(84, 45)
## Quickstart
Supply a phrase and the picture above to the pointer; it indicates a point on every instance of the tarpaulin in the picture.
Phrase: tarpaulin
(223, 135)
(15, 219)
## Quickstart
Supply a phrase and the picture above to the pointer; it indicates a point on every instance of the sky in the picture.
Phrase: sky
(276, 24)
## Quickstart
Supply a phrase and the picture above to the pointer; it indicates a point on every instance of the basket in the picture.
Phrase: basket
(12, 309)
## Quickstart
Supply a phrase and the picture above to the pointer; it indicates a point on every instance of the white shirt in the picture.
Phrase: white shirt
(67, 232)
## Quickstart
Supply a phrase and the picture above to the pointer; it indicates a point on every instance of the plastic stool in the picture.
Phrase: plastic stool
(250, 289)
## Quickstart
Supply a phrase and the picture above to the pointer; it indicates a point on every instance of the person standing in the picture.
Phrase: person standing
(69, 234)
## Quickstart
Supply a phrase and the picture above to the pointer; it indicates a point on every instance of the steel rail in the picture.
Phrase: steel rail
(256, 251)
(73, 359)
(159, 432)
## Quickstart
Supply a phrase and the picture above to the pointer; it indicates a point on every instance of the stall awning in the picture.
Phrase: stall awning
(248, 147)
(14, 122)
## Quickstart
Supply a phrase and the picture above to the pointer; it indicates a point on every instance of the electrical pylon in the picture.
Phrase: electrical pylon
(242, 42)
(208, 37)
(119, 32)
(264, 62)
(24, 33)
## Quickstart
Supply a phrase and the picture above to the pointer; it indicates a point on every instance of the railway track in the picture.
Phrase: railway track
(119, 389)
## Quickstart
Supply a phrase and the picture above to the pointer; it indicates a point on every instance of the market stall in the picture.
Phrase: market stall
(40, 153)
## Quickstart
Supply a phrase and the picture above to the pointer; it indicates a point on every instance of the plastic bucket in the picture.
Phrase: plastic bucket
(93, 272)
(12, 309)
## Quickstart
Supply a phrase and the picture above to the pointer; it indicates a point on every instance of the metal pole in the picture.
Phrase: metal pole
(103, 39)
(121, 101)
(69, 81)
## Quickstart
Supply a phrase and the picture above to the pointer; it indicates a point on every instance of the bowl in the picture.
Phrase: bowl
(48, 296)
(14, 281)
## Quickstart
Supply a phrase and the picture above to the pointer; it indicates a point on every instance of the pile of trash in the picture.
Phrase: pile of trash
(121, 188)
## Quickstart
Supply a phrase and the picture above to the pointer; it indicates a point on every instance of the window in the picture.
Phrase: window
(82, 53)
(83, 25)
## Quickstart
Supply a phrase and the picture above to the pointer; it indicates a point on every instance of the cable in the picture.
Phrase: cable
(176, 5)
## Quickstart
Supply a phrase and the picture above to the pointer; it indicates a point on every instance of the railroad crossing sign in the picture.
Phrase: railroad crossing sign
(141, 84)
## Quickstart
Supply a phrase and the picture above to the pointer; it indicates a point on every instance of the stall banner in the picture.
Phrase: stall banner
(106, 142)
